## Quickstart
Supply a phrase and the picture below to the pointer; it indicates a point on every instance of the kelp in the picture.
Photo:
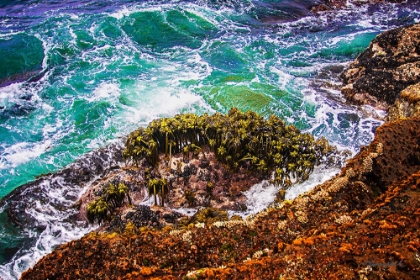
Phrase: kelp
(113, 196)
(239, 140)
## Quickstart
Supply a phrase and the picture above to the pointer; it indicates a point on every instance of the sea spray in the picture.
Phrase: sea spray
(47, 212)
(91, 79)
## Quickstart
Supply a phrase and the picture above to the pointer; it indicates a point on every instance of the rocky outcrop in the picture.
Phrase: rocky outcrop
(407, 104)
(328, 5)
(361, 224)
(333, 5)
(390, 65)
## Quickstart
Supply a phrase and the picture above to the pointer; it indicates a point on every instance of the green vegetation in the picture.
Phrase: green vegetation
(156, 186)
(239, 140)
(113, 196)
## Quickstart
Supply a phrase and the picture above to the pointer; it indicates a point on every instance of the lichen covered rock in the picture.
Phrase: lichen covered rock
(407, 105)
(352, 226)
(389, 65)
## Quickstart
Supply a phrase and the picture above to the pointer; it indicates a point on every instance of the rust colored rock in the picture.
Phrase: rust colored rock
(393, 155)
(390, 64)
(362, 224)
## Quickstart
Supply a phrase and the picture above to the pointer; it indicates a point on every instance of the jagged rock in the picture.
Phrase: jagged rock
(407, 105)
(333, 5)
(328, 5)
(352, 226)
(392, 156)
(390, 64)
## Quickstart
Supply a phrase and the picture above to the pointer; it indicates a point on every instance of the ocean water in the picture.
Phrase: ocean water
(78, 75)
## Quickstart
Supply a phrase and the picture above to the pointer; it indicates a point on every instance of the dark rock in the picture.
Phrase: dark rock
(390, 64)
(204, 163)
(143, 216)
(328, 5)
(171, 217)
(334, 5)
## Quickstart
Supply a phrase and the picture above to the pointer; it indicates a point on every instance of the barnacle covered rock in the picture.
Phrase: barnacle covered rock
(390, 65)
(334, 231)
(407, 105)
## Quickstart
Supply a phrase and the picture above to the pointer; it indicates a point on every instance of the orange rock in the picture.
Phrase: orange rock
(346, 248)
(386, 225)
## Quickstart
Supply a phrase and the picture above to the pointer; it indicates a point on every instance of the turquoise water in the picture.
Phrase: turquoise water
(78, 75)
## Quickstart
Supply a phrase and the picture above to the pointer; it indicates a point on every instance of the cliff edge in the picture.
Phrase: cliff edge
(363, 223)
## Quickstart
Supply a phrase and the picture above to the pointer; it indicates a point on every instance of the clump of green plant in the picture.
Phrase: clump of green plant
(112, 197)
(158, 186)
(97, 210)
(209, 188)
(238, 140)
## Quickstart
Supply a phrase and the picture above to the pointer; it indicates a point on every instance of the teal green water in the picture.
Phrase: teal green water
(104, 74)
(17, 57)
(75, 78)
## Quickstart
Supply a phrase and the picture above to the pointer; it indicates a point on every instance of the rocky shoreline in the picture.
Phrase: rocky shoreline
(333, 5)
(351, 226)
(363, 223)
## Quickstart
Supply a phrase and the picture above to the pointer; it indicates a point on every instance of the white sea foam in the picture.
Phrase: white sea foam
(164, 101)
(105, 91)
(56, 230)
(50, 214)
(318, 176)
(261, 195)
(54, 234)
(258, 197)
(283, 77)
(121, 13)
(22, 152)
(9, 92)
(187, 211)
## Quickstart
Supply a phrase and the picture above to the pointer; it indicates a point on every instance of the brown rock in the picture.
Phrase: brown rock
(333, 5)
(362, 224)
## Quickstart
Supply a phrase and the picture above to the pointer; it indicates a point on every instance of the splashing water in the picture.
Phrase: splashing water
(79, 75)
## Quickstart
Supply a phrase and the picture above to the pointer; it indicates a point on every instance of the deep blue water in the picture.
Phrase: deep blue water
(77, 75)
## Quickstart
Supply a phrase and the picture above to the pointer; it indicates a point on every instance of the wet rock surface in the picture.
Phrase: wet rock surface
(348, 227)
(187, 187)
(390, 64)
(361, 224)
(333, 5)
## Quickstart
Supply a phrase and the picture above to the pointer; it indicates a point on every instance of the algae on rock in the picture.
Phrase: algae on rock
(239, 140)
